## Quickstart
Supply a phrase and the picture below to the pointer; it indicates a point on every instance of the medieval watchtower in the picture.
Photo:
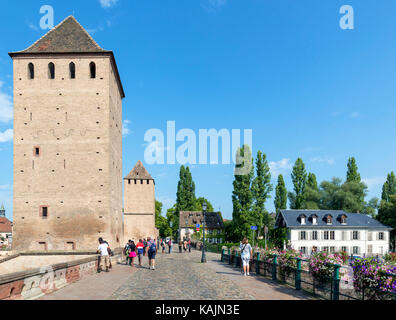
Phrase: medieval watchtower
(139, 204)
(67, 143)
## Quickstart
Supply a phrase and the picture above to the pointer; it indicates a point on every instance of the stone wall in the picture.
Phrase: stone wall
(34, 283)
(76, 124)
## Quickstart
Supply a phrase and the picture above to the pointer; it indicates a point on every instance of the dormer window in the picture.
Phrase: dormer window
(314, 218)
(343, 219)
(329, 219)
(303, 219)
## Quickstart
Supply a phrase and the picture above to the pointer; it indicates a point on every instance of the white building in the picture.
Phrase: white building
(333, 231)
(214, 229)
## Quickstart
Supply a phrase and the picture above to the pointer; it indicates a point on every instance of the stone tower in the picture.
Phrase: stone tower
(67, 143)
(139, 204)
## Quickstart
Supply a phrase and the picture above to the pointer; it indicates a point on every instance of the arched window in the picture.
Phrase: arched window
(51, 70)
(31, 71)
(92, 68)
(72, 68)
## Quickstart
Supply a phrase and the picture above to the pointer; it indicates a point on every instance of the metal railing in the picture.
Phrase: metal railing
(299, 277)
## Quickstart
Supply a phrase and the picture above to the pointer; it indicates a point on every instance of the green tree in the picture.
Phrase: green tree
(389, 187)
(387, 209)
(173, 218)
(311, 194)
(261, 189)
(200, 201)
(280, 195)
(372, 206)
(299, 178)
(161, 223)
(242, 197)
(352, 172)
(330, 190)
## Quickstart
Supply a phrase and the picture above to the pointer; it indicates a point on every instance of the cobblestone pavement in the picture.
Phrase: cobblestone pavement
(183, 276)
(177, 277)
(180, 276)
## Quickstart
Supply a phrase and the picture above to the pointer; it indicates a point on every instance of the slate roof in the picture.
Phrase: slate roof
(139, 172)
(68, 37)
(5, 225)
(292, 219)
(213, 219)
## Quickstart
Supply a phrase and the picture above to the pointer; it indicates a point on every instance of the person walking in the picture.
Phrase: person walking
(180, 246)
(132, 253)
(170, 246)
(126, 252)
(145, 247)
(140, 251)
(108, 250)
(163, 245)
(151, 252)
(185, 245)
(189, 245)
(246, 254)
(103, 249)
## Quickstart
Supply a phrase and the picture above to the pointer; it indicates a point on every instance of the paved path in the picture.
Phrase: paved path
(177, 277)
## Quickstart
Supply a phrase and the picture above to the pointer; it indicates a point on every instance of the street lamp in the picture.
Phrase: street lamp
(203, 260)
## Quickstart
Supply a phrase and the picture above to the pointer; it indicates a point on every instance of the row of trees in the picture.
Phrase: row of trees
(186, 200)
(331, 195)
(252, 189)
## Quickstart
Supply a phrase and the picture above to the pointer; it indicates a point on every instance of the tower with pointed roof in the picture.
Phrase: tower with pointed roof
(2, 211)
(67, 143)
(139, 204)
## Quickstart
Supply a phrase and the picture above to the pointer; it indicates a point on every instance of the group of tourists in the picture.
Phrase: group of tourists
(142, 248)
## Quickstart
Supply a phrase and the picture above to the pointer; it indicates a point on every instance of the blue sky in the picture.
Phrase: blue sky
(283, 68)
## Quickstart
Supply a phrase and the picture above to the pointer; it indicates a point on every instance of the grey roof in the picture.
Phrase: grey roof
(292, 219)
(139, 172)
(68, 36)
(213, 219)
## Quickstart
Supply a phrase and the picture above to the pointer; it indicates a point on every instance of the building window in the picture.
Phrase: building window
(72, 69)
(355, 235)
(381, 236)
(44, 212)
(303, 250)
(302, 220)
(370, 236)
(302, 235)
(329, 220)
(36, 151)
(314, 220)
(370, 248)
(31, 71)
(314, 235)
(51, 70)
(325, 249)
(326, 235)
(332, 235)
(92, 68)
(343, 219)
(332, 249)
(148, 181)
(344, 249)
(355, 250)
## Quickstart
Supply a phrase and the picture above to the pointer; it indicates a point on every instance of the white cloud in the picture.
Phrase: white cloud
(327, 160)
(6, 112)
(280, 167)
(33, 27)
(373, 182)
(5, 187)
(125, 128)
(6, 135)
(107, 3)
(354, 115)
(166, 201)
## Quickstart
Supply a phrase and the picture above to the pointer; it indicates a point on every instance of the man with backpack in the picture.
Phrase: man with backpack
(152, 250)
